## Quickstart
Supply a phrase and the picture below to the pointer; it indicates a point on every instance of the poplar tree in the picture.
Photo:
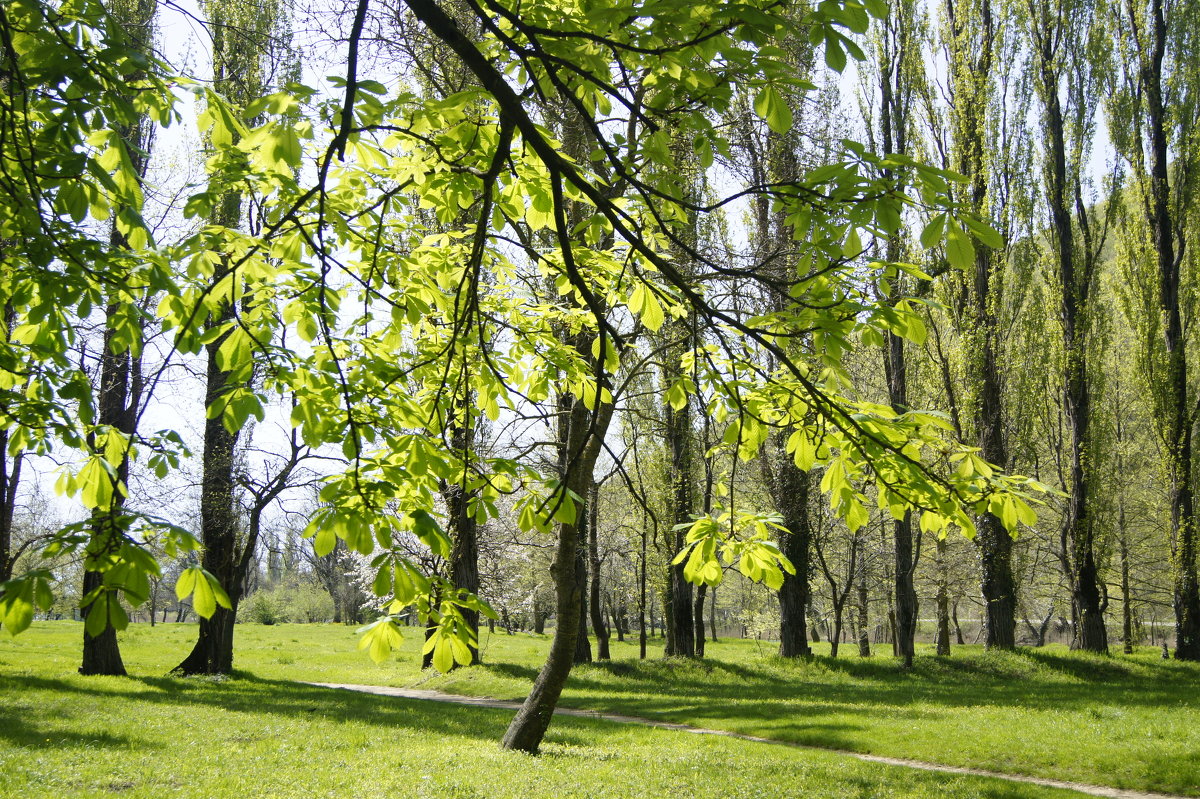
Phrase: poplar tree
(241, 34)
(1154, 117)
(1068, 61)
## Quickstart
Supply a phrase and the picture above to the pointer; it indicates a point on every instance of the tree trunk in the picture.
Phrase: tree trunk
(835, 639)
(213, 651)
(118, 399)
(791, 490)
(581, 445)
(10, 480)
(1174, 386)
(896, 88)
(1126, 598)
(864, 639)
(943, 600)
(712, 614)
(464, 557)
(101, 654)
(698, 619)
(972, 59)
(593, 550)
(642, 595)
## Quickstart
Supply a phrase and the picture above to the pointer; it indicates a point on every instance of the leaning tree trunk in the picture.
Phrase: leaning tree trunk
(582, 441)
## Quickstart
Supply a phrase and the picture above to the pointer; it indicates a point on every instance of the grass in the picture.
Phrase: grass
(1125, 722)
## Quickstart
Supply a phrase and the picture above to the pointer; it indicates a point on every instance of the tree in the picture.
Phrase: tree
(979, 50)
(1154, 115)
(380, 300)
(241, 42)
(899, 73)
(67, 121)
(119, 396)
(1068, 51)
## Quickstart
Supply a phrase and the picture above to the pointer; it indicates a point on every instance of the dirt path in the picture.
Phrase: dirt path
(499, 704)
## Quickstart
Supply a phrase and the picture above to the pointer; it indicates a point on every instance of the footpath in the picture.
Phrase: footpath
(500, 704)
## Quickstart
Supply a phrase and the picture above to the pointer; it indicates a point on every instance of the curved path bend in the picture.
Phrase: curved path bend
(500, 704)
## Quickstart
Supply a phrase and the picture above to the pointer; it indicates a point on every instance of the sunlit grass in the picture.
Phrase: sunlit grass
(1127, 722)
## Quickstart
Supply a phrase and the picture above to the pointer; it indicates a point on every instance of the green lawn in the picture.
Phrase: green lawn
(1127, 722)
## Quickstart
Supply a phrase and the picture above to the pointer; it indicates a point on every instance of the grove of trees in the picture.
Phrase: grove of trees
(803, 319)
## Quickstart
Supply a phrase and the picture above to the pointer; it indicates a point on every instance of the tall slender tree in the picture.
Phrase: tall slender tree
(898, 59)
(119, 397)
(971, 37)
(1155, 121)
(1067, 60)
(242, 33)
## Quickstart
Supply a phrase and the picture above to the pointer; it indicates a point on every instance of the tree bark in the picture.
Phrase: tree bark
(864, 639)
(213, 651)
(582, 440)
(790, 486)
(1177, 424)
(596, 607)
(698, 619)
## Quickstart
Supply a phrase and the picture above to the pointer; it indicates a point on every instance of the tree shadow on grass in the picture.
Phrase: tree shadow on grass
(1026, 679)
(25, 731)
(246, 693)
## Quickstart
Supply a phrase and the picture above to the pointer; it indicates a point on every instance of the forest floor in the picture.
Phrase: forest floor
(1125, 722)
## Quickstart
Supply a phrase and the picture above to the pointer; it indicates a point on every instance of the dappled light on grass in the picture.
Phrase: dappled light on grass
(1126, 722)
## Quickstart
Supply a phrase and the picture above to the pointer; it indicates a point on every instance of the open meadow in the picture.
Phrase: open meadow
(1128, 722)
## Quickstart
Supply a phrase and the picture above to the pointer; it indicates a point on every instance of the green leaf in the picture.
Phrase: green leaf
(430, 532)
(677, 396)
(835, 56)
(95, 484)
(983, 231)
(205, 589)
(959, 249)
(770, 106)
(381, 638)
(97, 615)
(16, 605)
(645, 304)
(931, 234)
(186, 582)
(443, 653)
